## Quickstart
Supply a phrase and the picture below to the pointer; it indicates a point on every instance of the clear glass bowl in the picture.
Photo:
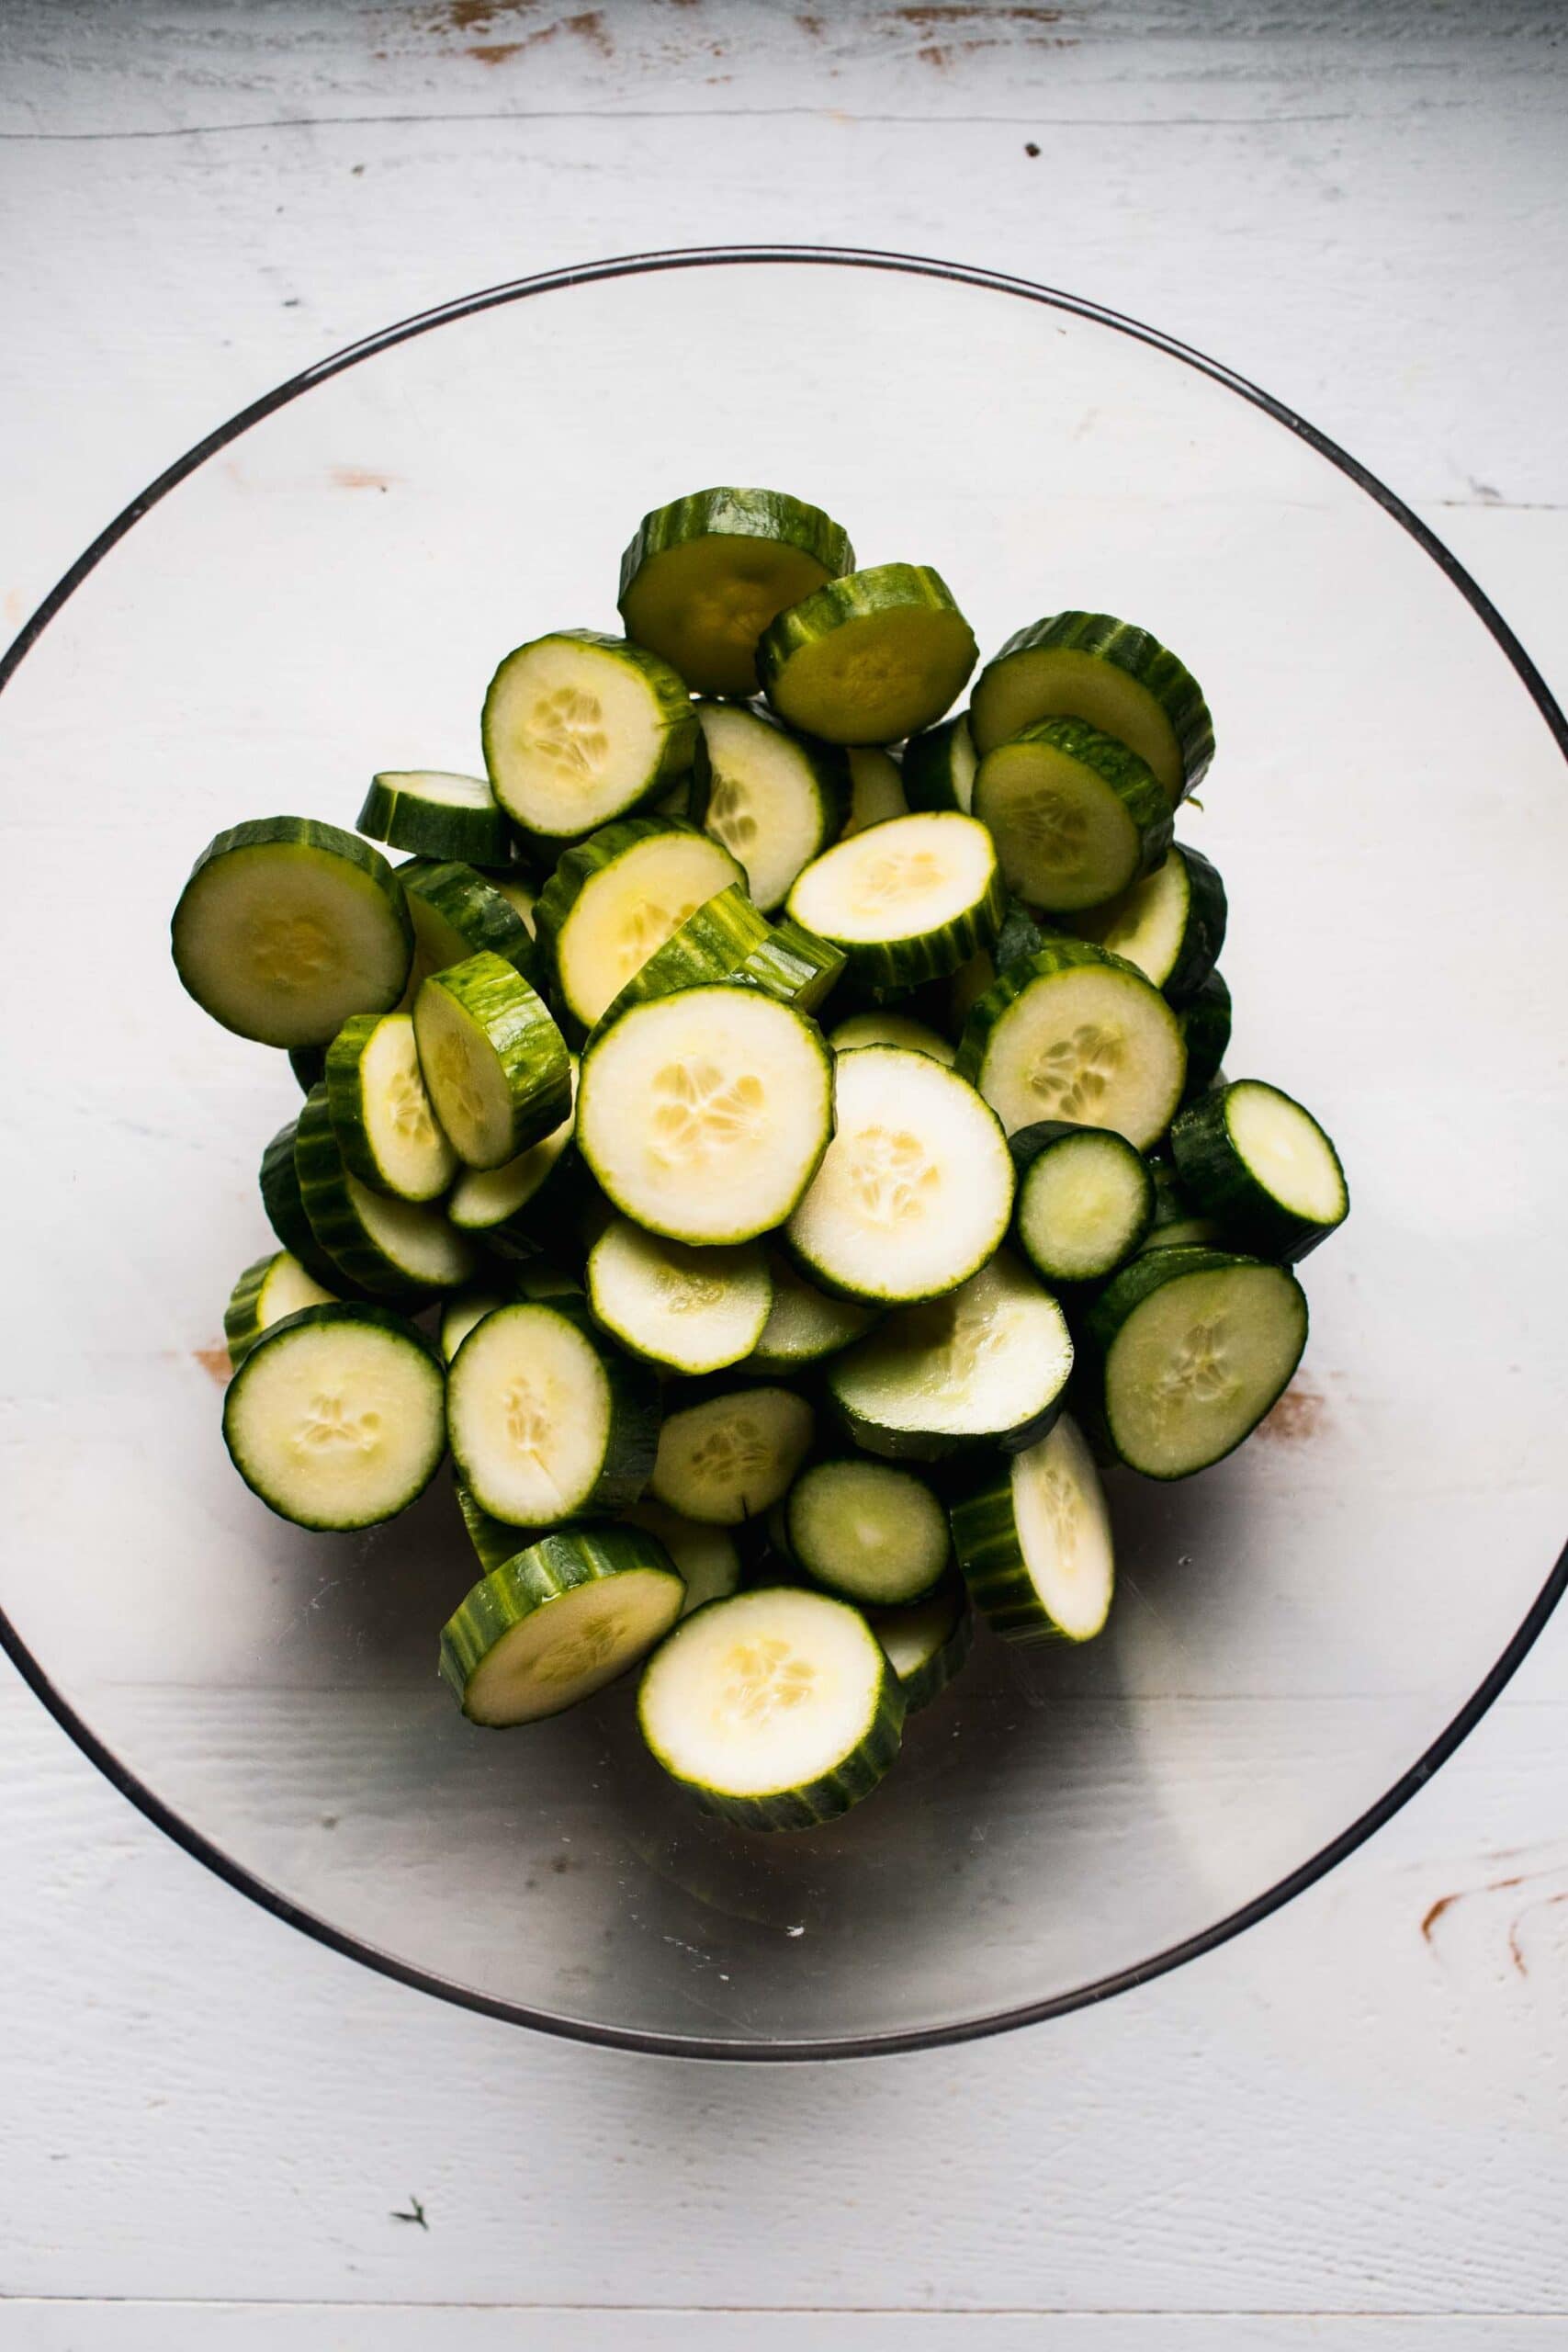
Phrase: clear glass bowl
(1301, 1636)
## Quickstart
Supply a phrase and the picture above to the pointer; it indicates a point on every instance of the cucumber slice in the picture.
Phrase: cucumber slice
(286, 927)
(1077, 818)
(908, 901)
(989, 1361)
(692, 1311)
(1176, 1224)
(730, 1456)
(494, 1542)
(381, 1114)
(706, 1558)
(519, 889)
(1205, 1024)
(1188, 1349)
(286, 1213)
(273, 1288)
(916, 1189)
(394, 1249)
(704, 1115)
(1034, 1541)
(777, 1708)
(869, 658)
(926, 1644)
(871, 1534)
(309, 1064)
(495, 1064)
(1250, 1157)
(804, 1324)
(1075, 1032)
(1115, 677)
(876, 790)
(516, 1208)
(547, 1422)
(878, 1028)
(1020, 936)
(557, 1622)
(579, 727)
(774, 802)
(615, 899)
(463, 1311)
(727, 940)
(458, 912)
(435, 814)
(1085, 1199)
(1171, 924)
(939, 767)
(705, 576)
(334, 1417)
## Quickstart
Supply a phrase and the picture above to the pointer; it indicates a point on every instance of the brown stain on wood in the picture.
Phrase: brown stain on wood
(1299, 1416)
(1516, 1945)
(474, 16)
(1445, 1903)
(496, 52)
(214, 1362)
(360, 478)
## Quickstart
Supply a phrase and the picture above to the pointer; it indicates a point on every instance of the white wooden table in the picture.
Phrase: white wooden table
(1348, 2129)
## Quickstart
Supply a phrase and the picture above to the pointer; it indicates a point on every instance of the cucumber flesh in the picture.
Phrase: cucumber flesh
(547, 1424)
(434, 813)
(869, 658)
(731, 1455)
(461, 1313)
(891, 1029)
(803, 1324)
(876, 790)
(273, 1288)
(398, 1250)
(1035, 1543)
(458, 912)
(1171, 924)
(1073, 1032)
(908, 901)
(705, 575)
(334, 1417)
(494, 1542)
(1077, 818)
(727, 941)
(939, 767)
(706, 1558)
(613, 901)
(495, 1202)
(926, 1643)
(777, 1708)
(579, 727)
(774, 802)
(558, 1621)
(1250, 1157)
(1085, 1199)
(496, 1066)
(872, 1533)
(915, 1190)
(691, 1310)
(1107, 672)
(381, 1113)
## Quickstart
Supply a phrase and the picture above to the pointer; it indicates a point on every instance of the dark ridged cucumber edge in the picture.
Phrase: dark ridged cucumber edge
(1223, 1186)
(894, 967)
(540, 1573)
(1205, 1023)
(725, 512)
(727, 940)
(1055, 956)
(666, 686)
(494, 1541)
(885, 589)
(927, 766)
(309, 1064)
(483, 920)
(930, 1680)
(1130, 781)
(477, 834)
(241, 1331)
(345, 1100)
(334, 1221)
(991, 1555)
(587, 860)
(1143, 658)
(521, 1032)
(1203, 929)
(286, 1209)
(631, 1436)
(1029, 1144)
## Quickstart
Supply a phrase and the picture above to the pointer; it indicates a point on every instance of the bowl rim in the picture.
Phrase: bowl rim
(1317, 1865)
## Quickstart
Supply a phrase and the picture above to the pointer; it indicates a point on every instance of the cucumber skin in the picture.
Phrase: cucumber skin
(815, 1802)
(483, 920)
(240, 1330)
(545, 1224)
(1116, 1303)
(494, 1541)
(1175, 1214)
(631, 1441)
(343, 1311)
(1131, 780)
(536, 1575)
(985, 1537)
(438, 830)
(523, 1037)
(853, 596)
(827, 763)
(1026, 1145)
(725, 512)
(324, 1192)
(1205, 1023)
(729, 940)
(890, 968)
(927, 768)
(1142, 657)
(286, 1211)
(309, 1064)
(944, 1664)
(580, 865)
(1223, 1187)
(345, 1102)
(1203, 935)
(1056, 955)
(669, 689)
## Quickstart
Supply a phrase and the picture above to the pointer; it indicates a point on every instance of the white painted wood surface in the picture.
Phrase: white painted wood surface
(211, 2129)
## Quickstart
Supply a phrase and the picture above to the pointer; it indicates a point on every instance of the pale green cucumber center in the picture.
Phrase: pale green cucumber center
(464, 1077)
(765, 804)
(872, 1532)
(1089, 1044)
(877, 676)
(804, 1324)
(705, 604)
(1079, 1207)
(578, 732)
(341, 1424)
(519, 894)
(1198, 1362)
(571, 1647)
(1062, 836)
(891, 1029)
(283, 941)
(1064, 682)
(695, 1309)
(629, 908)
(417, 1240)
(529, 1408)
(1063, 1530)
(902, 880)
(912, 1636)
(1147, 922)
(876, 790)
(287, 1289)
(733, 1457)
(463, 1316)
(407, 1144)
(961, 764)
(487, 1196)
(440, 787)
(986, 1358)
(1285, 1150)
(705, 1556)
(764, 1693)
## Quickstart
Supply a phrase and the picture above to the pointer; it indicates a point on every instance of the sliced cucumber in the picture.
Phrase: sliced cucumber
(915, 1190)
(1034, 1541)
(547, 1421)
(494, 1542)
(1085, 1199)
(435, 814)
(518, 1208)
(275, 1287)
(777, 1708)
(691, 1310)
(286, 1213)
(878, 1028)
(704, 1115)
(519, 889)
(872, 1533)
(1116, 677)
(876, 790)
(803, 1324)
(706, 1558)
(398, 1250)
(334, 1417)
(496, 1066)
(381, 1113)
(1190, 1349)
(286, 927)
(1171, 924)
(908, 901)
(579, 727)
(309, 1064)
(705, 576)
(926, 1644)
(1075, 1032)
(869, 658)
(1176, 1224)
(989, 1361)
(1077, 817)
(731, 1454)
(464, 1310)
(615, 899)
(729, 940)
(939, 767)
(1205, 1024)
(1020, 936)
(458, 912)
(774, 801)
(1250, 1157)
(557, 1622)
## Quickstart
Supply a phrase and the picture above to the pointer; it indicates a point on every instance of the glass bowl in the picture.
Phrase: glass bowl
(1301, 1636)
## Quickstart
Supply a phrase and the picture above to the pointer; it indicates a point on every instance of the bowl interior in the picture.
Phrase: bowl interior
(327, 595)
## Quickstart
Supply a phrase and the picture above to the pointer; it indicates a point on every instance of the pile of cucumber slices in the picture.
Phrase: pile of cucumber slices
(774, 1131)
